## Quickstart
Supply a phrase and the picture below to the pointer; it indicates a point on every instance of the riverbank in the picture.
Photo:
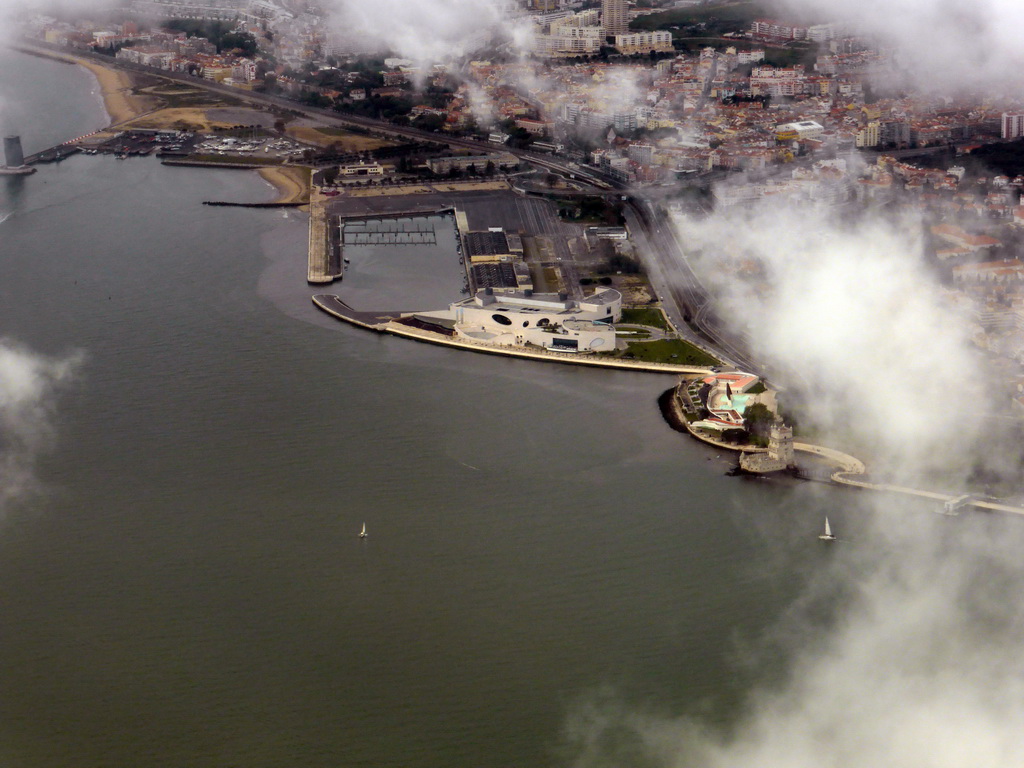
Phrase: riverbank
(116, 85)
(116, 88)
(291, 182)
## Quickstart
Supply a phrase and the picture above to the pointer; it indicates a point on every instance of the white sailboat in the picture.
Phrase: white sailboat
(363, 534)
(827, 535)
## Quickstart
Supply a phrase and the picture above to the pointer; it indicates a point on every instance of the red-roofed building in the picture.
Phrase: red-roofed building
(1010, 271)
(963, 239)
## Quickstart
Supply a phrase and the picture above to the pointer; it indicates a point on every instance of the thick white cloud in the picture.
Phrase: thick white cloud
(28, 385)
(921, 669)
(852, 316)
(425, 31)
(944, 44)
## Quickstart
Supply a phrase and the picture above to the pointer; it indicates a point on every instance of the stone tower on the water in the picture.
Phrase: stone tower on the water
(13, 156)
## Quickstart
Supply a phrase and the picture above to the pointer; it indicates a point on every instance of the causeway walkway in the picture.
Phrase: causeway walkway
(847, 469)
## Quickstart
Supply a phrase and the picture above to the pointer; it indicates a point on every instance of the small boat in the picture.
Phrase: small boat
(363, 534)
(827, 535)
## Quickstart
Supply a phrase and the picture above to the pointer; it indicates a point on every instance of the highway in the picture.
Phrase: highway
(683, 297)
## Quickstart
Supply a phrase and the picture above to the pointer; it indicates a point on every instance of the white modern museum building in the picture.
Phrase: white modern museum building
(549, 320)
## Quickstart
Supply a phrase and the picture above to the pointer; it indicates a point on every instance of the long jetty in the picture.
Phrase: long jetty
(324, 264)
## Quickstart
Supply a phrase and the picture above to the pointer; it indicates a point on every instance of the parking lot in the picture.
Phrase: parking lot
(230, 146)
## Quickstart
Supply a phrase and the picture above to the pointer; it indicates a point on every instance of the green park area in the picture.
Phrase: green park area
(674, 351)
(698, 26)
(649, 316)
(717, 19)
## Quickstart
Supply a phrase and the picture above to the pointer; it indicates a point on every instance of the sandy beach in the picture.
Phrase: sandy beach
(292, 183)
(115, 86)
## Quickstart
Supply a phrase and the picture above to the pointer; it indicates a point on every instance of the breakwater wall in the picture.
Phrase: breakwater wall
(215, 164)
(414, 214)
(252, 205)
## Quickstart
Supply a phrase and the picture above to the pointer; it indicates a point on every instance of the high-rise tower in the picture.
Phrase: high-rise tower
(615, 17)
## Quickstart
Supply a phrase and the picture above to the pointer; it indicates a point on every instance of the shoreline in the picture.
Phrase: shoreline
(291, 182)
(115, 85)
(333, 306)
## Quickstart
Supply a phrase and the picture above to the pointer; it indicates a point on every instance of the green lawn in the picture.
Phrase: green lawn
(650, 316)
(723, 17)
(669, 351)
(786, 57)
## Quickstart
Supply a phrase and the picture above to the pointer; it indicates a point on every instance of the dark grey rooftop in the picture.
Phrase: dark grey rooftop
(486, 243)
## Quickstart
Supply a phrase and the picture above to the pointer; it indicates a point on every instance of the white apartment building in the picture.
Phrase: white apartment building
(644, 42)
(777, 81)
(211, 10)
(565, 40)
(869, 135)
(1012, 125)
(822, 33)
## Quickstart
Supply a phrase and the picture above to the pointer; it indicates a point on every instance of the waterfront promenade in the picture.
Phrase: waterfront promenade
(388, 322)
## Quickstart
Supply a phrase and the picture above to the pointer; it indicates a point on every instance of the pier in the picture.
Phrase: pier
(390, 232)
(53, 154)
(324, 264)
(328, 234)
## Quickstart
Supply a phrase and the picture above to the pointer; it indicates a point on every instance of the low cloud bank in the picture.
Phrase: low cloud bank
(29, 384)
(947, 45)
(920, 670)
(425, 31)
(850, 316)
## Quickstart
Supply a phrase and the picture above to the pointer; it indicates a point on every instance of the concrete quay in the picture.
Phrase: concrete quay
(324, 264)
(386, 322)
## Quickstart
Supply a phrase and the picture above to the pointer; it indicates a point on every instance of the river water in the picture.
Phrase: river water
(187, 586)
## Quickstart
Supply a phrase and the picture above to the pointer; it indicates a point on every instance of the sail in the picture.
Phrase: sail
(828, 529)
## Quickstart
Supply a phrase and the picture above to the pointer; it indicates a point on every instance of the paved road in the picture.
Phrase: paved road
(680, 290)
